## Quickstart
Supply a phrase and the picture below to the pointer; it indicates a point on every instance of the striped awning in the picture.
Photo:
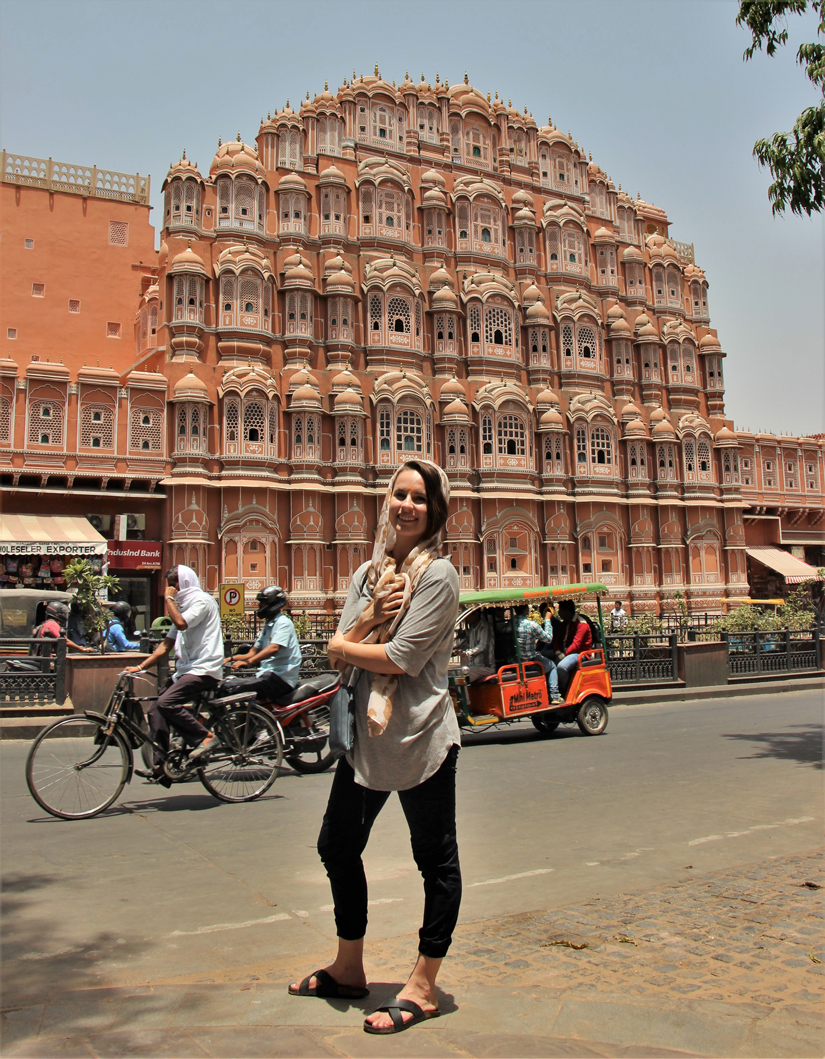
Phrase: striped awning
(49, 535)
(792, 569)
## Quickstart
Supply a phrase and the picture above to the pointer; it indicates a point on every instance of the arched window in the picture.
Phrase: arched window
(573, 250)
(659, 297)
(690, 461)
(476, 147)
(333, 211)
(511, 436)
(384, 430)
(581, 449)
(290, 150)
(487, 436)
(253, 425)
(228, 286)
(601, 450)
(567, 345)
(230, 430)
(553, 249)
(398, 320)
(674, 289)
(434, 228)
(408, 431)
(375, 317)
(498, 331)
(588, 352)
(544, 167)
(487, 232)
(367, 210)
(475, 326)
(390, 212)
(429, 124)
(703, 457)
(463, 224)
(96, 427)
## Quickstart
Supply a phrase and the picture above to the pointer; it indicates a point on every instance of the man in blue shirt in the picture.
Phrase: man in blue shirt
(529, 634)
(276, 653)
(116, 638)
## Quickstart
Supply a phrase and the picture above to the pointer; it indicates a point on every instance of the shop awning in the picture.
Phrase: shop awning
(792, 569)
(49, 535)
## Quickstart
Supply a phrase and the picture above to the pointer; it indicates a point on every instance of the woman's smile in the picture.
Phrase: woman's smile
(408, 505)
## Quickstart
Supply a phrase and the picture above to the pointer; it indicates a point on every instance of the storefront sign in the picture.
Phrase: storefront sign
(135, 555)
(48, 548)
(232, 601)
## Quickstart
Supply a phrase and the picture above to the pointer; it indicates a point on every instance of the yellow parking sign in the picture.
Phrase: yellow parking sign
(232, 601)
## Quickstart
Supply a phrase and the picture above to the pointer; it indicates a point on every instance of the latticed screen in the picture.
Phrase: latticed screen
(96, 427)
(567, 340)
(384, 430)
(253, 421)
(74, 305)
(118, 233)
(581, 445)
(463, 220)
(232, 419)
(600, 446)
(408, 431)
(5, 421)
(487, 436)
(375, 312)
(244, 201)
(390, 209)
(690, 457)
(498, 328)
(486, 226)
(511, 436)
(227, 294)
(703, 455)
(250, 293)
(366, 204)
(145, 427)
(475, 323)
(586, 343)
(273, 424)
(46, 423)
(398, 315)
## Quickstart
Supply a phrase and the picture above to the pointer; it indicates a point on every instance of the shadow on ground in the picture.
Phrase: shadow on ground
(38, 958)
(800, 743)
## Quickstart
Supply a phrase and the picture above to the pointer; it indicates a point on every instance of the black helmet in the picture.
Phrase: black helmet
(122, 611)
(58, 611)
(271, 601)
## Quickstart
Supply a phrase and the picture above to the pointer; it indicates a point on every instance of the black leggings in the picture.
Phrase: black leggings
(430, 812)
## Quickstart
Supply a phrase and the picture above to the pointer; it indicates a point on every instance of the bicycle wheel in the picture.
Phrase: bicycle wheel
(247, 762)
(309, 750)
(73, 771)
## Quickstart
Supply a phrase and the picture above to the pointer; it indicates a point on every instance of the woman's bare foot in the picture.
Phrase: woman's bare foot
(420, 988)
(347, 968)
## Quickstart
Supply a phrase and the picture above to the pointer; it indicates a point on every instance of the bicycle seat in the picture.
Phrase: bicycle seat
(308, 689)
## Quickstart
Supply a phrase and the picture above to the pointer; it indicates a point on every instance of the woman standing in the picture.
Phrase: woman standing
(397, 627)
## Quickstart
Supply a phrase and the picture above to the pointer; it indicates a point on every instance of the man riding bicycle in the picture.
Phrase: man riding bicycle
(197, 638)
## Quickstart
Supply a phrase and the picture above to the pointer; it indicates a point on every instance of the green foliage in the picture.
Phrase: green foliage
(797, 612)
(796, 159)
(644, 624)
(676, 604)
(303, 626)
(79, 573)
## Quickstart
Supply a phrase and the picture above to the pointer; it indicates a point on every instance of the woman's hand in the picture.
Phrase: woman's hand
(385, 608)
(335, 652)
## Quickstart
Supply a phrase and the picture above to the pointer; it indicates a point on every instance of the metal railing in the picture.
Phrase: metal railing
(641, 659)
(45, 682)
(86, 180)
(764, 653)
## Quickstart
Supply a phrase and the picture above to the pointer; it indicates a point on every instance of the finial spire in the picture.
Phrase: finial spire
(239, 137)
(466, 78)
(377, 74)
(326, 86)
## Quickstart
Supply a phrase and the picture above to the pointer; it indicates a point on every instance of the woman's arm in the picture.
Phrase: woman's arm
(370, 656)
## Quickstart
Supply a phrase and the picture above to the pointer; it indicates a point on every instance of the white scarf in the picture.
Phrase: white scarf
(189, 587)
(384, 579)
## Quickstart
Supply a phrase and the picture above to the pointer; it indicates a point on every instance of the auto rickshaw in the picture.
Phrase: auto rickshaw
(518, 688)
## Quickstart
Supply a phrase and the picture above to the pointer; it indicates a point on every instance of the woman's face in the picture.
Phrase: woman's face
(408, 507)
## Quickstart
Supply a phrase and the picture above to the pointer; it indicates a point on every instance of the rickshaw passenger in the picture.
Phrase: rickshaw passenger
(478, 657)
(528, 634)
(573, 637)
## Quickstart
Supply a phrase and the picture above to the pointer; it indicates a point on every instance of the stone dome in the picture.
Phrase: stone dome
(551, 420)
(603, 235)
(190, 388)
(630, 253)
(664, 429)
(725, 436)
(188, 261)
(537, 314)
(531, 295)
(452, 388)
(347, 401)
(292, 182)
(345, 380)
(440, 278)
(331, 175)
(434, 197)
(306, 396)
(237, 157)
(456, 411)
(445, 299)
(635, 428)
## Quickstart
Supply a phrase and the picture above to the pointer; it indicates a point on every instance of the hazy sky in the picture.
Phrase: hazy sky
(657, 91)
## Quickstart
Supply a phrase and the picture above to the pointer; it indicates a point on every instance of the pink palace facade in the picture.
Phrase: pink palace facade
(419, 270)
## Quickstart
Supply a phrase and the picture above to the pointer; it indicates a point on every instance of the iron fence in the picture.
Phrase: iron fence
(32, 679)
(641, 659)
(783, 651)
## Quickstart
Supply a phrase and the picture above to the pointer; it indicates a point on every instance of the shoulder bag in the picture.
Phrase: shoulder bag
(342, 712)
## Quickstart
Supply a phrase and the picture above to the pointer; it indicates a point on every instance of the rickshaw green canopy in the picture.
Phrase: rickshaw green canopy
(503, 597)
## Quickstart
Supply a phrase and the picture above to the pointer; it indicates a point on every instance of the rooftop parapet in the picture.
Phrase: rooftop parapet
(72, 179)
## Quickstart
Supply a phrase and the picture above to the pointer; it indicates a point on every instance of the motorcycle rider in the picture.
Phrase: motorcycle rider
(116, 638)
(197, 638)
(57, 617)
(276, 653)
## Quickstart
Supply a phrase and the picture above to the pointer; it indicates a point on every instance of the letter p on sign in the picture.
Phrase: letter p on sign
(232, 601)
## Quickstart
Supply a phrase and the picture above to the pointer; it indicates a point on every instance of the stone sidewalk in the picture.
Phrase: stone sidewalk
(728, 964)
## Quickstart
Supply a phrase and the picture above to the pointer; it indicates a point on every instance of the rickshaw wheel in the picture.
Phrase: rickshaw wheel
(592, 716)
(543, 724)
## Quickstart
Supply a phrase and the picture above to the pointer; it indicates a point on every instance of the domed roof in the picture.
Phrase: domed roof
(551, 420)
(663, 429)
(452, 388)
(188, 261)
(546, 397)
(635, 428)
(434, 197)
(603, 235)
(630, 411)
(524, 216)
(531, 294)
(237, 157)
(432, 176)
(183, 168)
(297, 270)
(725, 436)
(331, 175)
(710, 344)
(537, 313)
(347, 400)
(630, 253)
(306, 396)
(292, 182)
(669, 253)
(440, 278)
(457, 411)
(190, 388)
(620, 327)
(445, 299)
(523, 198)
(345, 380)
(302, 377)
(657, 415)
(615, 312)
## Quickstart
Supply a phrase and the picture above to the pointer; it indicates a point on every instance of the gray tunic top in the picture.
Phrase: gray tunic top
(423, 724)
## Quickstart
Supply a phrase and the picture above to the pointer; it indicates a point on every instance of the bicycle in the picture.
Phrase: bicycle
(78, 766)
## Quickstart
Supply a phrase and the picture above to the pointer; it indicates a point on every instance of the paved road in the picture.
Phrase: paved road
(175, 886)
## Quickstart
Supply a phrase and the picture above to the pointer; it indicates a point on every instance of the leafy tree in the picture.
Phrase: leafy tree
(796, 159)
(90, 585)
